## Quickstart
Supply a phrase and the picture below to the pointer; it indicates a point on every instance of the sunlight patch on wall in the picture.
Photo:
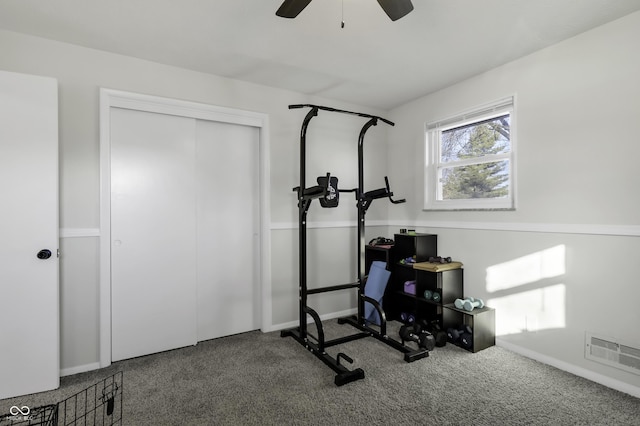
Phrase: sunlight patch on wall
(530, 311)
(527, 269)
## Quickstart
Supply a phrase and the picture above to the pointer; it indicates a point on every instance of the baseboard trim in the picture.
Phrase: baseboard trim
(79, 369)
(332, 315)
(570, 368)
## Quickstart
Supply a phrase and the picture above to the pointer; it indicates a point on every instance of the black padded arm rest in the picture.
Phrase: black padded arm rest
(311, 192)
(376, 193)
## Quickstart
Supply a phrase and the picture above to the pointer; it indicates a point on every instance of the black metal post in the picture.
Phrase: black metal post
(303, 207)
(361, 212)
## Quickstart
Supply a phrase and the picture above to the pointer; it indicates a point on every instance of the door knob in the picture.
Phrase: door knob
(44, 254)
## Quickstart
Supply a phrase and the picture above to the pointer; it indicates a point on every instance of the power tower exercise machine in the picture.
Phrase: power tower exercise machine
(327, 192)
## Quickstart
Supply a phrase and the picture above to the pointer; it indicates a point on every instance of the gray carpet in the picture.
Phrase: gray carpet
(263, 379)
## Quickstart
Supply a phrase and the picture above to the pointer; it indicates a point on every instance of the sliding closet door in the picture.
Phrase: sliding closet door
(153, 232)
(228, 229)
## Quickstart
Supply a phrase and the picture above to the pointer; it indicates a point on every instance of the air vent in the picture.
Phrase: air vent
(609, 351)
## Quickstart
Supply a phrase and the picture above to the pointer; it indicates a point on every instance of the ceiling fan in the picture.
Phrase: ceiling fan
(395, 9)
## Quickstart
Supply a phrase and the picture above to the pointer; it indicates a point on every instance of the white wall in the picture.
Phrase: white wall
(578, 105)
(332, 148)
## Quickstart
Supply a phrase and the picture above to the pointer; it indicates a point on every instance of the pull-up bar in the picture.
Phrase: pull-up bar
(327, 191)
(342, 111)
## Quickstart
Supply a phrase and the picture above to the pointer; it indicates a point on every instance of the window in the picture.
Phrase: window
(470, 160)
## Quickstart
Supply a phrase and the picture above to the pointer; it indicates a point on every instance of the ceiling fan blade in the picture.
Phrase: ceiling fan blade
(396, 9)
(291, 8)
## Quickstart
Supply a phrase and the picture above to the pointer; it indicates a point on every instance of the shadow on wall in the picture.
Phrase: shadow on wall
(521, 307)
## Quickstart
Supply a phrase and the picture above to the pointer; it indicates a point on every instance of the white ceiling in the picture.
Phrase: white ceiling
(372, 61)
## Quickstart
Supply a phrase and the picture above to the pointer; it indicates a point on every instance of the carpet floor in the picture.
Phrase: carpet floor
(262, 379)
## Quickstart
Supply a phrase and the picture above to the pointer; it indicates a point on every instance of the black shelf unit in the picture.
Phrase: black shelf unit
(396, 301)
(376, 253)
(481, 320)
(449, 283)
(422, 246)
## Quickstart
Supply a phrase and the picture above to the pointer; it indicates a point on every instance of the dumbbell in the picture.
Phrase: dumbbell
(415, 333)
(459, 303)
(439, 335)
(407, 318)
(438, 259)
(455, 334)
(432, 295)
(469, 305)
(466, 340)
(407, 335)
(427, 339)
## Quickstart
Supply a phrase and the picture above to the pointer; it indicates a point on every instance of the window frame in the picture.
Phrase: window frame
(434, 165)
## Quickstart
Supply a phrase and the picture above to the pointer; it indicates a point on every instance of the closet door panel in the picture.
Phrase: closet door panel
(228, 229)
(153, 228)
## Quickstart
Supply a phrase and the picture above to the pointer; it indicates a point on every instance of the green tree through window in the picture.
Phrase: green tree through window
(470, 159)
(471, 150)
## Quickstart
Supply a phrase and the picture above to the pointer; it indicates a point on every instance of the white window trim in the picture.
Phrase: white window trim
(432, 154)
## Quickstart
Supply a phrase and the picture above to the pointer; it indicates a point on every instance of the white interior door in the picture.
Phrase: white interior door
(29, 297)
(228, 228)
(153, 229)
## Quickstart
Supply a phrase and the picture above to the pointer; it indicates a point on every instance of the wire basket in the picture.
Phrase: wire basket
(100, 404)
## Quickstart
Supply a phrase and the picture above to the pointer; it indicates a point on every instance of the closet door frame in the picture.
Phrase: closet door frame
(109, 99)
